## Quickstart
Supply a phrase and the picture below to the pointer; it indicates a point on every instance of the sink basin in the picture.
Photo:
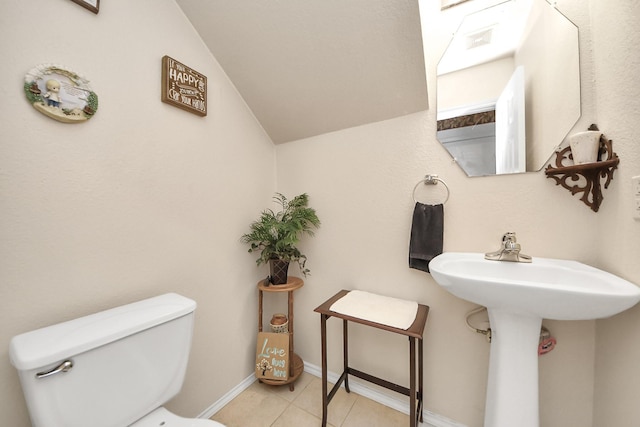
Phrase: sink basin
(548, 288)
(518, 296)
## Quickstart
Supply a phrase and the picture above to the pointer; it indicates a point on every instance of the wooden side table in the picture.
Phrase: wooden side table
(296, 366)
(414, 333)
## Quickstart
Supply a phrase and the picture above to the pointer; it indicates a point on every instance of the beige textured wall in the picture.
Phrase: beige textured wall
(462, 89)
(360, 181)
(617, 65)
(553, 71)
(146, 198)
(143, 199)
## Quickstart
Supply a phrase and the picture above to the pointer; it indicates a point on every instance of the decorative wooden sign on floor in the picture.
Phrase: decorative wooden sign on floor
(183, 87)
(272, 356)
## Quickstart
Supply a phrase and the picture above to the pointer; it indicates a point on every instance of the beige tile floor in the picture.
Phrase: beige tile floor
(261, 405)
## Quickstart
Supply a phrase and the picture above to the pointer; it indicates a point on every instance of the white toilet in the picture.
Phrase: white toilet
(115, 368)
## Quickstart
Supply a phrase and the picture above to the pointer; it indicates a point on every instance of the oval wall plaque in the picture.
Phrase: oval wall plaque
(60, 94)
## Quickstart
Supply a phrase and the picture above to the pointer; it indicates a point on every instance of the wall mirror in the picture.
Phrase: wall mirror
(508, 88)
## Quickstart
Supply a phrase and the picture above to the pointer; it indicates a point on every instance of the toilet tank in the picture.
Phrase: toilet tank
(127, 361)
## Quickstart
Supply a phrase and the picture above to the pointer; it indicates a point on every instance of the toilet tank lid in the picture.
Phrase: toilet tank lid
(52, 344)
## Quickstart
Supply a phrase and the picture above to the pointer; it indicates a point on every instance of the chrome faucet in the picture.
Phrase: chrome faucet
(510, 250)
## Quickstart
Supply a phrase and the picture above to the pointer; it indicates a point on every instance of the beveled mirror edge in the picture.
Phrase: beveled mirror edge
(556, 134)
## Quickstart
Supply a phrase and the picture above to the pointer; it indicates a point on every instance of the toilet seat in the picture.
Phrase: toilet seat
(162, 417)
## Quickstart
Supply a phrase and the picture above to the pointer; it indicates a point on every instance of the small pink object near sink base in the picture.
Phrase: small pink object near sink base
(518, 296)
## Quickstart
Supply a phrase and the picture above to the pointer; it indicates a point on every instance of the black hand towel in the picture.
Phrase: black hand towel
(427, 232)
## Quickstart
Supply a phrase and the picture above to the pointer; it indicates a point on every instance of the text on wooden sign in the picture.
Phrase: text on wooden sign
(183, 87)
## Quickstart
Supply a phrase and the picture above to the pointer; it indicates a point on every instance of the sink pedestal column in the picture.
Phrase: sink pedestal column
(512, 387)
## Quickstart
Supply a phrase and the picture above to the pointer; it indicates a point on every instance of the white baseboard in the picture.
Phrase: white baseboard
(400, 404)
(360, 387)
(228, 397)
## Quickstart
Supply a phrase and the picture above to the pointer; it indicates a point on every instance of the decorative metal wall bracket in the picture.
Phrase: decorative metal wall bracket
(585, 178)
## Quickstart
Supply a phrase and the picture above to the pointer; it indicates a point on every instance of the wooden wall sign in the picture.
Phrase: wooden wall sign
(272, 356)
(183, 87)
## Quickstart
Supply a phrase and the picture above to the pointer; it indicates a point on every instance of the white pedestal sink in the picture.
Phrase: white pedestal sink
(518, 296)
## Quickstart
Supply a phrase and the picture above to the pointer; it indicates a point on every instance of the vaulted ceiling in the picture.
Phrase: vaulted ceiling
(308, 67)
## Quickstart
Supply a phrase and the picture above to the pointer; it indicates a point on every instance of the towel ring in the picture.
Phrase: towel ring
(431, 180)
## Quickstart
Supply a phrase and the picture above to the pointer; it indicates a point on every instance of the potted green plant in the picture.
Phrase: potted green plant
(275, 235)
